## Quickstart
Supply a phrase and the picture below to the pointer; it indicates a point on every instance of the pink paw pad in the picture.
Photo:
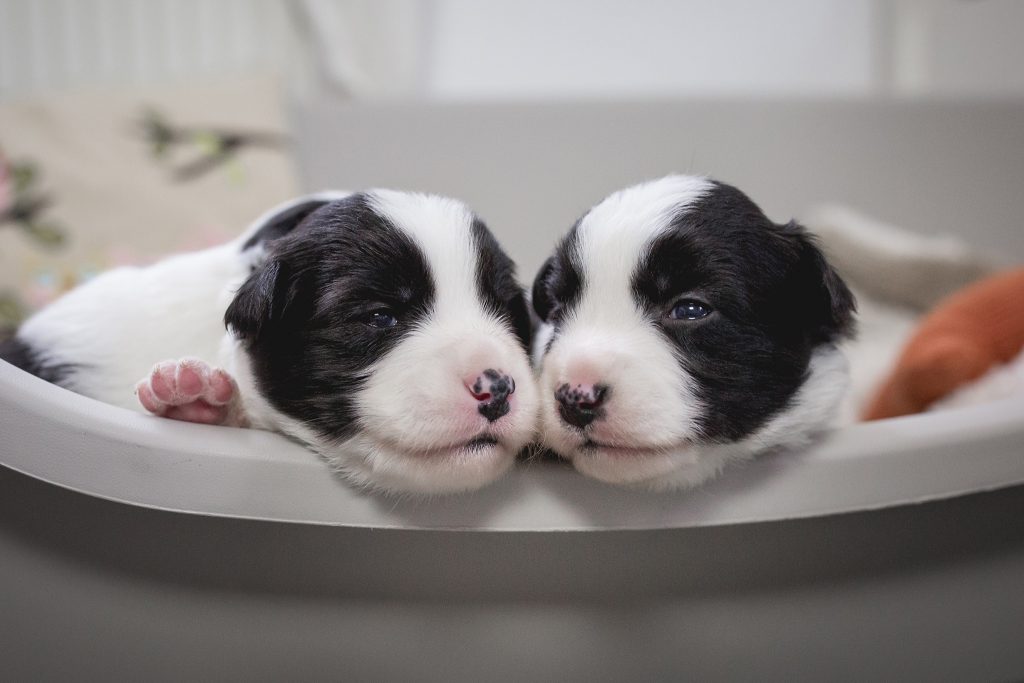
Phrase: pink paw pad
(192, 391)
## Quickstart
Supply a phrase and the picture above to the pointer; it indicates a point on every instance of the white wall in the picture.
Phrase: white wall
(581, 47)
(566, 48)
(526, 48)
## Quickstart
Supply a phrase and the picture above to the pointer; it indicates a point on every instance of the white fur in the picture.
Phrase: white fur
(118, 325)
(417, 412)
(652, 405)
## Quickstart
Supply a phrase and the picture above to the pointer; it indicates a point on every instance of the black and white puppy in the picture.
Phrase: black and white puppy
(681, 329)
(384, 329)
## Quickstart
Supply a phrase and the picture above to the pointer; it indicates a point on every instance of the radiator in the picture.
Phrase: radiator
(50, 45)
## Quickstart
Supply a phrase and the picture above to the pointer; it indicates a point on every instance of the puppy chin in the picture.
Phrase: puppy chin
(623, 464)
(677, 468)
(621, 467)
(448, 468)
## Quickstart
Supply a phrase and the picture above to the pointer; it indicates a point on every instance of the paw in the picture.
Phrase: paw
(192, 391)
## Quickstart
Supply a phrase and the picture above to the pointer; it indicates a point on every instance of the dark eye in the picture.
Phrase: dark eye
(382, 319)
(688, 309)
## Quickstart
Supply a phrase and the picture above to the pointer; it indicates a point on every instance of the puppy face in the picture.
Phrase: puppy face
(681, 329)
(388, 331)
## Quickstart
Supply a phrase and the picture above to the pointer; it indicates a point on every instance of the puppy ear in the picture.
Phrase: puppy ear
(284, 218)
(269, 297)
(540, 295)
(269, 294)
(818, 287)
(521, 321)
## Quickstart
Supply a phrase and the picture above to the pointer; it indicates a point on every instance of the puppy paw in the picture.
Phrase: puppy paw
(192, 391)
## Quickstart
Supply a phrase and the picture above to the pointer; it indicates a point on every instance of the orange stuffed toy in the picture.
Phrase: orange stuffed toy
(965, 336)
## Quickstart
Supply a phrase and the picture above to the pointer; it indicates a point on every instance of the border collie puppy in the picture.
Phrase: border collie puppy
(386, 330)
(681, 329)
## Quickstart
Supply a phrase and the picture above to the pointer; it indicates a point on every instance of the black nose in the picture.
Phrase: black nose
(581, 405)
(492, 389)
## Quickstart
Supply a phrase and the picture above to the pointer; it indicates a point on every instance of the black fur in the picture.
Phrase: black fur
(773, 295)
(559, 282)
(21, 355)
(283, 223)
(305, 314)
(540, 298)
(497, 285)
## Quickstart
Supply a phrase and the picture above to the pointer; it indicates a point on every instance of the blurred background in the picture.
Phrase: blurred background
(531, 48)
(132, 128)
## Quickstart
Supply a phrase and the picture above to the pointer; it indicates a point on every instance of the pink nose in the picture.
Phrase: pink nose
(491, 389)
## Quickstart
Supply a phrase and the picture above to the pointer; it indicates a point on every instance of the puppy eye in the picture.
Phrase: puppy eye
(688, 309)
(381, 319)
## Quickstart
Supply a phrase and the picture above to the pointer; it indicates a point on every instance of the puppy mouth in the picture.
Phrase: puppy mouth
(480, 443)
(591, 447)
(477, 445)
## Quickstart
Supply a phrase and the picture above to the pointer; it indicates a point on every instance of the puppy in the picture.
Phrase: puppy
(681, 329)
(385, 330)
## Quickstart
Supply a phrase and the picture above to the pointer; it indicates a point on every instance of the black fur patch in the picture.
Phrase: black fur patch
(497, 285)
(283, 223)
(21, 355)
(774, 300)
(305, 314)
(773, 295)
(557, 286)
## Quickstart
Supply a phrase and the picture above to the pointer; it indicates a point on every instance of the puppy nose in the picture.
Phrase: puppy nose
(492, 389)
(581, 404)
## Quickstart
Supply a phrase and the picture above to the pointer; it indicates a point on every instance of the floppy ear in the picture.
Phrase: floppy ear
(271, 292)
(262, 300)
(284, 218)
(500, 285)
(815, 284)
(521, 321)
(540, 295)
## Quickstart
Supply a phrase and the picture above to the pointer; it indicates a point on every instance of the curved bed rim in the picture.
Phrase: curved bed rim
(75, 442)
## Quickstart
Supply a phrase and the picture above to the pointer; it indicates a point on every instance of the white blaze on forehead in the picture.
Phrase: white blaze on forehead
(415, 412)
(615, 235)
(442, 229)
(652, 402)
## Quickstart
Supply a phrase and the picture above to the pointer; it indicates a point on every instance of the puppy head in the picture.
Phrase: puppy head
(682, 328)
(388, 331)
